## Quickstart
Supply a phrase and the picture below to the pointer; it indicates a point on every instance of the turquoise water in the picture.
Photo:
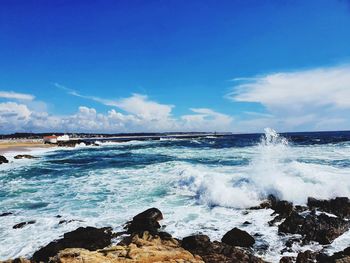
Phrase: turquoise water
(200, 185)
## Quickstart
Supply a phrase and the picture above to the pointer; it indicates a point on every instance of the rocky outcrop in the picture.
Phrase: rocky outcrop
(6, 214)
(89, 238)
(339, 206)
(310, 256)
(73, 143)
(3, 159)
(237, 237)
(146, 221)
(212, 252)
(24, 156)
(321, 228)
(141, 249)
(22, 224)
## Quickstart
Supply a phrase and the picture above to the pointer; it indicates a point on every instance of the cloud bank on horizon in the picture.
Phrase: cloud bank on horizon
(313, 99)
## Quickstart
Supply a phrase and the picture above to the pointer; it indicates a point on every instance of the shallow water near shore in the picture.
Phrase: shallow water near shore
(200, 185)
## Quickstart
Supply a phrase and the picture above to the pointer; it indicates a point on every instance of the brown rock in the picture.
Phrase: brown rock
(141, 249)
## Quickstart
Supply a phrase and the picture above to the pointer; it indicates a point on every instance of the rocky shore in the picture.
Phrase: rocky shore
(143, 240)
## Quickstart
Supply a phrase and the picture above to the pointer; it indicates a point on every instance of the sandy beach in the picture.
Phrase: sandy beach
(21, 145)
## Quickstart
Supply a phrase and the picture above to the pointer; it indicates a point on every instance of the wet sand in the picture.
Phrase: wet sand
(21, 145)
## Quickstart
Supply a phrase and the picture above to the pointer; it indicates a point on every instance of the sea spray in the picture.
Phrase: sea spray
(197, 186)
(275, 168)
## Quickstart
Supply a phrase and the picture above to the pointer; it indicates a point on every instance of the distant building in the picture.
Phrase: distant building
(63, 138)
(50, 139)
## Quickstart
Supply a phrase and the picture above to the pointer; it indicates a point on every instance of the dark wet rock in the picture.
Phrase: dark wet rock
(237, 237)
(24, 156)
(339, 206)
(340, 257)
(6, 214)
(164, 235)
(213, 252)
(64, 221)
(90, 238)
(22, 224)
(306, 257)
(199, 242)
(283, 208)
(268, 203)
(321, 228)
(73, 143)
(145, 221)
(300, 208)
(310, 256)
(58, 216)
(287, 259)
(245, 223)
(3, 159)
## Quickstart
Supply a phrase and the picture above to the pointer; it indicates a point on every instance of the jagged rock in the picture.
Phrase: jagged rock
(71, 143)
(145, 248)
(339, 206)
(22, 224)
(213, 252)
(64, 221)
(287, 260)
(6, 214)
(237, 237)
(321, 228)
(145, 221)
(196, 242)
(283, 208)
(338, 257)
(24, 156)
(306, 257)
(3, 159)
(90, 238)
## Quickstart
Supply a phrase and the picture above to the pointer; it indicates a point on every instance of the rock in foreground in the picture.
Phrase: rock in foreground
(3, 159)
(213, 252)
(89, 238)
(141, 249)
(321, 228)
(237, 237)
(145, 221)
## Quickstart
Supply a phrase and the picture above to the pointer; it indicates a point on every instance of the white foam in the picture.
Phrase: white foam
(198, 191)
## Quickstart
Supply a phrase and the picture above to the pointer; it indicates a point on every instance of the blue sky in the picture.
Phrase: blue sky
(171, 65)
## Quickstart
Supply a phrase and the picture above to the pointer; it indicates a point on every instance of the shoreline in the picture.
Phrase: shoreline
(7, 146)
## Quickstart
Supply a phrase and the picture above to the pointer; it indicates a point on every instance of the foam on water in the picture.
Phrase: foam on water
(200, 186)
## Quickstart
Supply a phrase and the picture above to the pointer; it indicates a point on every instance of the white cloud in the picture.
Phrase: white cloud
(16, 117)
(205, 118)
(144, 108)
(299, 100)
(15, 95)
(318, 87)
(13, 116)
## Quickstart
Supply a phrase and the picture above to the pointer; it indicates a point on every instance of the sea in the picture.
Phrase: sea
(203, 185)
